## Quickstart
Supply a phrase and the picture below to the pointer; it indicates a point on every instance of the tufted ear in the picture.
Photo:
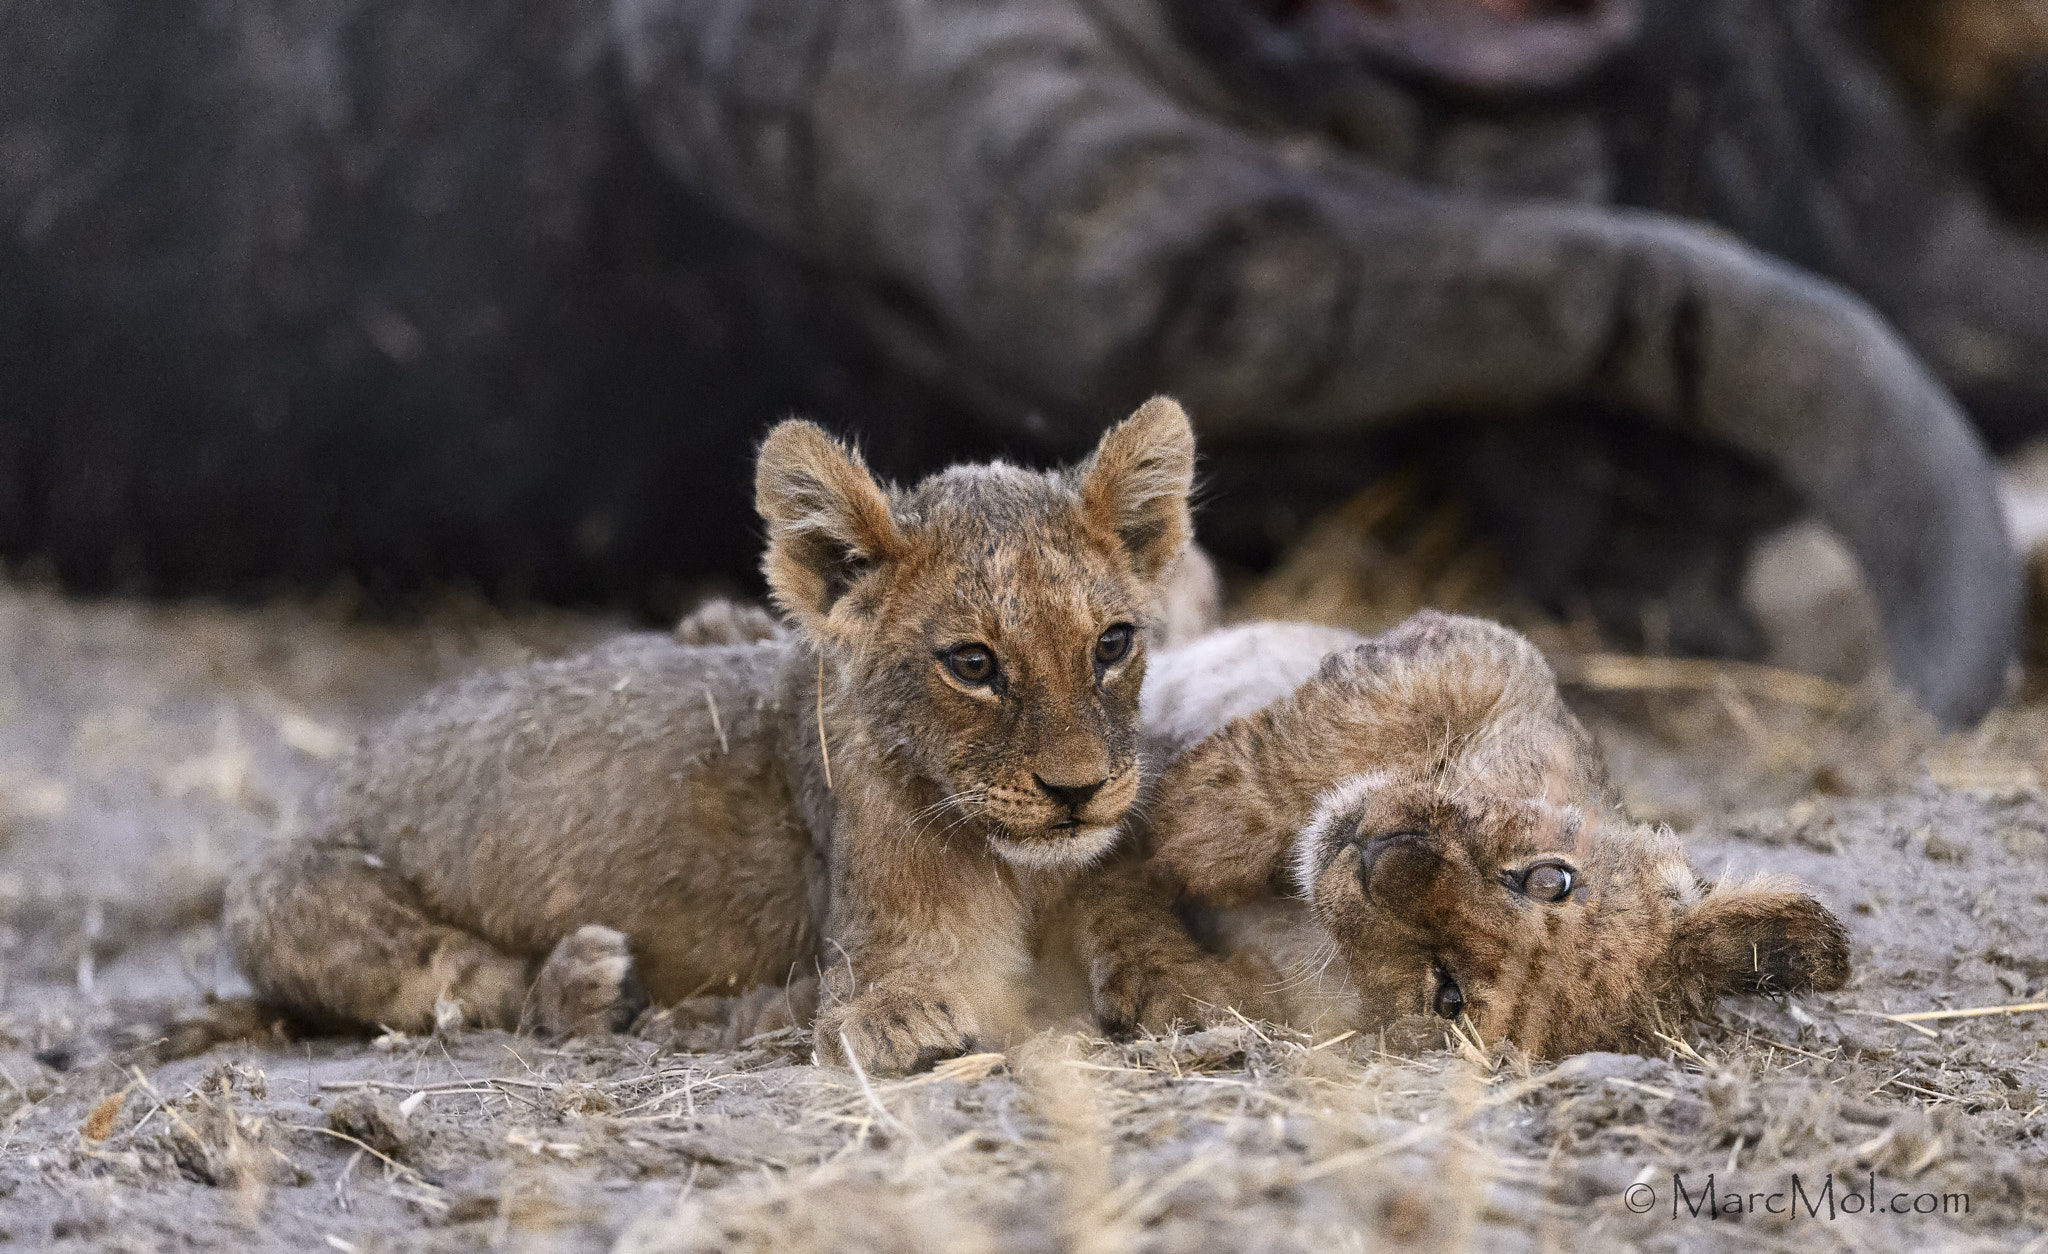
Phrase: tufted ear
(1759, 937)
(1135, 485)
(828, 520)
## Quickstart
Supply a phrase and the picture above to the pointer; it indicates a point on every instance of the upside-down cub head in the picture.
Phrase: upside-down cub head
(987, 628)
(1463, 853)
(1558, 930)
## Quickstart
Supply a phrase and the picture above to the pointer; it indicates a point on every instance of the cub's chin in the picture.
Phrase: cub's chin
(1051, 848)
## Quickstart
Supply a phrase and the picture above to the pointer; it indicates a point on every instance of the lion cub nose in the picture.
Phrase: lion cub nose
(1397, 867)
(1072, 796)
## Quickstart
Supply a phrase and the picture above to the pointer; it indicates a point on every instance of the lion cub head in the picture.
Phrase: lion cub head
(984, 633)
(1451, 827)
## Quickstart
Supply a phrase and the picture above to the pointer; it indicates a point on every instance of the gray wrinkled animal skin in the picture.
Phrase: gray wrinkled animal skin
(1069, 225)
(416, 287)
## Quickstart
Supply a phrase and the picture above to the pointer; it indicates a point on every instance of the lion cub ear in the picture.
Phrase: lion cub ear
(1760, 937)
(828, 520)
(1135, 485)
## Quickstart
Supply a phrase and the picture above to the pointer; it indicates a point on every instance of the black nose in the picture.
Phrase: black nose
(1395, 867)
(1370, 849)
(1072, 796)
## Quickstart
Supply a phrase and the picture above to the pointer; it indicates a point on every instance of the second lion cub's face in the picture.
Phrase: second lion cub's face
(1528, 920)
(1448, 822)
(1557, 929)
(990, 623)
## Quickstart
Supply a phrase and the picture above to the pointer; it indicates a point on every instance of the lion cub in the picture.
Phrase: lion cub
(907, 785)
(1452, 831)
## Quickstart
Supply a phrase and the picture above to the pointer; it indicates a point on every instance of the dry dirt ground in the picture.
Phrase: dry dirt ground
(144, 750)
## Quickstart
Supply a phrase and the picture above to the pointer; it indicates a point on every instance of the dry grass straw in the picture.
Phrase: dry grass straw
(880, 1174)
(1613, 672)
(1975, 1012)
(203, 1134)
(1961, 51)
(1377, 559)
(1206, 1140)
(1247, 1136)
(1091, 1209)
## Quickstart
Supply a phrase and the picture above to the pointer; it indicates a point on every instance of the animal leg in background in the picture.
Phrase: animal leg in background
(1118, 241)
(321, 927)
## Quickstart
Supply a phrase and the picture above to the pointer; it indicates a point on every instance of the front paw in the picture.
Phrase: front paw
(895, 1033)
(720, 621)
(587, 986)
(1158, 997)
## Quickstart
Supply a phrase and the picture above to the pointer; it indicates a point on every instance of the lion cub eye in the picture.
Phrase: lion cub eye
(971, 663)
(1548, 881)
(1449, 1001)
(1113, 644)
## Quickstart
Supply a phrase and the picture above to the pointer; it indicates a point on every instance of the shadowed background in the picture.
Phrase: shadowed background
(403, 295)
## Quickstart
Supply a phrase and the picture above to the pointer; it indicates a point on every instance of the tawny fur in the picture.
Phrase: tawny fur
(1188, 605)
(638, 786)
(541, 845)
(1404, 792)
(721, 621)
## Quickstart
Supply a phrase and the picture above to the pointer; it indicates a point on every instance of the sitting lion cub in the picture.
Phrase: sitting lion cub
(1452, 830)
(917, 775)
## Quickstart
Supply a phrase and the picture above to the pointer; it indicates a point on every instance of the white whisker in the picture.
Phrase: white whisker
(1318, 958)
(966, 801)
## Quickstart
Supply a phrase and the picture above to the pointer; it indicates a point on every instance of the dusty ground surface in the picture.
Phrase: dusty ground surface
(145, 749)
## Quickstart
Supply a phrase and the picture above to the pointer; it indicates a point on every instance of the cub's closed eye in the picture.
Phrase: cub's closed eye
(1549, 881)
(971, 663)
(1112, 645)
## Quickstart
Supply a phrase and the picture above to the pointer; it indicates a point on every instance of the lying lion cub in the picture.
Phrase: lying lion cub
(924, 767)
(1477, 869)
(1451, 829)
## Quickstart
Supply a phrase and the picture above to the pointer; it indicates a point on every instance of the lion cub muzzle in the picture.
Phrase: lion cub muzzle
(1055, 822)
(1075, 797)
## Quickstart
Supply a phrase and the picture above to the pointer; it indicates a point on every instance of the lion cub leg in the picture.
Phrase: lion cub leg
(1144, 970)
(587, 985)
(326, 930)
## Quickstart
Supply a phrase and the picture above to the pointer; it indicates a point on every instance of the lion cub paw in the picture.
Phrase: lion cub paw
(588, 985)
(721, 621)
(895, 1033)
(1133, 997)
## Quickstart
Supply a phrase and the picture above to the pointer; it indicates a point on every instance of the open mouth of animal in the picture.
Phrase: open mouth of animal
(1064, 825)
(1488, 47)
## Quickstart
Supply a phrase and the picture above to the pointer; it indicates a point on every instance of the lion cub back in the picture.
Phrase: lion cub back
(637, 786)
